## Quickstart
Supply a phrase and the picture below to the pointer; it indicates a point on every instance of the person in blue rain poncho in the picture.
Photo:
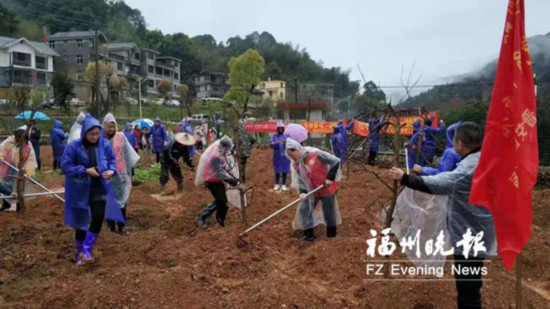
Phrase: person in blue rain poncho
(448, 161)
(57, 139)
(430, 139)
(125, 158)
(412, 145)
(129, 133)
(281, 164)
(89, 164)
(375, 126)
(344, 129)
(339, 144)
(158, 133)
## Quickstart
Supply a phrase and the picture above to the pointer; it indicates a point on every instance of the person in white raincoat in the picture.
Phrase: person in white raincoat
(9, 152)
(217, 166)
(126, 158)
(74, 132)
(312, 168)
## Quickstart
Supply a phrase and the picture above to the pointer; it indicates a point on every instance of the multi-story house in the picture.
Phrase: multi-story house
(25, 63)
(76, 50)
(125, 58)
(274, 90)
(211, 85)
(157, 68)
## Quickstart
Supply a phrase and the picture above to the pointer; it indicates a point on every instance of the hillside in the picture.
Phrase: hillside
(477, 86)
(122, 23)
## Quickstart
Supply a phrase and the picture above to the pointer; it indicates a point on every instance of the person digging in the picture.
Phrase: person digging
(216, 166)
(169, 160)
(313, 168)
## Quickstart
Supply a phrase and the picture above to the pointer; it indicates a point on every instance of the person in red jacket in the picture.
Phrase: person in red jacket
(313, 168)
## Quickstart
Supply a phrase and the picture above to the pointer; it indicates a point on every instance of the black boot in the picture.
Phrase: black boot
(308, 235)
(331, 232)
(111, 225)
(205, 213)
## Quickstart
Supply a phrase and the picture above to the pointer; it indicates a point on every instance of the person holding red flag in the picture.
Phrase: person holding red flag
(465, 221)
(508, 167)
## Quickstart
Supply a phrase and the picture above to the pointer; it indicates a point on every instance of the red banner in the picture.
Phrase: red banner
(508, 168)
(407, 130)
(261, 127)
(360, 128)
(320, 127)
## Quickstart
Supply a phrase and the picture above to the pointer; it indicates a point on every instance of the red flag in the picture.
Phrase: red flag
(508, 167)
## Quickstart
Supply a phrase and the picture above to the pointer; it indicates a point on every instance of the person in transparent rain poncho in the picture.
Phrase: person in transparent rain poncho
(312, 168)
(462, 218)
(74, 132)
(216, 166)
(126, 158)
(9, 152)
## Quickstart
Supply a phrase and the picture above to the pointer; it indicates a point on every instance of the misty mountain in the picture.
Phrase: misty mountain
(477, 86)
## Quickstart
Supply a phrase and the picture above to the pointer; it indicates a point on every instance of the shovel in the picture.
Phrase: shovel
(242, 243)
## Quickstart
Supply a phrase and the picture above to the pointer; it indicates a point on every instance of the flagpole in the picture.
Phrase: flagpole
(519, 297)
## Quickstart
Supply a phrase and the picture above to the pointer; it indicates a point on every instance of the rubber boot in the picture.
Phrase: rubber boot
(331, 232)
(111, 225)
(308, 235)
(86, 254)
(205, 213)
(79, 250)
(180, 187)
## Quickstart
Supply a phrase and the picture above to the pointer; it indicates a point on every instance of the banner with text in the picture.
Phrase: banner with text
(361, 128)
(407, 130)
(320, 127)
(261, 127)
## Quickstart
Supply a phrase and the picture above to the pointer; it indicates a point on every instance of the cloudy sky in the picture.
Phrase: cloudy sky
(444, 37)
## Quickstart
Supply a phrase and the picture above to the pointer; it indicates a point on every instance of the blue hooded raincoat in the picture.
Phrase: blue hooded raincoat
(57, 139)
(74, 163)
(375, 126)
(129, 133)
(339, 145)
(159, 136)
(430, 141)
(281, 164)
(413, 144)
(450, 158)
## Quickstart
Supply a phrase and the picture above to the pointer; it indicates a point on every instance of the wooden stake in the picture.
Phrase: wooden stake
(519, 298)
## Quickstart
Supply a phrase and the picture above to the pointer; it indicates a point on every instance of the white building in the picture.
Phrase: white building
(25, 63)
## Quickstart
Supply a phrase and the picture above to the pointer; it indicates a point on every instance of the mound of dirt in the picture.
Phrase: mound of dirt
(167, 262)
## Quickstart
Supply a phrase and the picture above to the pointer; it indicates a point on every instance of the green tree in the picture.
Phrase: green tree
(163, 88)
(62, 89)
(183, 91)
(105, 72)
(245, 72)
(8, 21)
(29, 30)
(118, 85)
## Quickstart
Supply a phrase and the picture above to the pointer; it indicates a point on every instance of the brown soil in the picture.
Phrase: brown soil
(166, 262)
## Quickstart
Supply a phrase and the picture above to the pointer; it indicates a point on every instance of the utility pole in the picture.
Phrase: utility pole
(139, 96)
(96, 82)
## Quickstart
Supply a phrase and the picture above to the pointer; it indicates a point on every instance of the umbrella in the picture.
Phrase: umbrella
(36, 116)
(296, 132)
(143, 123)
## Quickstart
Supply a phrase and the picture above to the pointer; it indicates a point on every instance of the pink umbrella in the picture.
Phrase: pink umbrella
(296, 132)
